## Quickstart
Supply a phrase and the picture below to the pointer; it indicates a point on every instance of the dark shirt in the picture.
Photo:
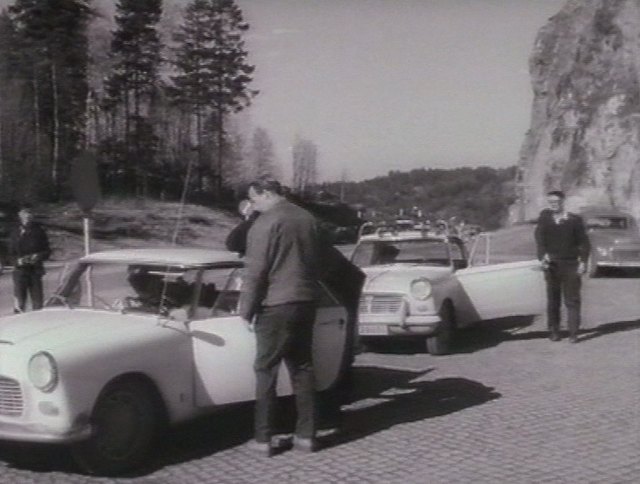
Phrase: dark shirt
(32, 241)
(565, 240)
(236, 241)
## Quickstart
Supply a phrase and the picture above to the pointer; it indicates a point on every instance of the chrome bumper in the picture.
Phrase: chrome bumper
(38, 433)
(411, 326)
(619, 264)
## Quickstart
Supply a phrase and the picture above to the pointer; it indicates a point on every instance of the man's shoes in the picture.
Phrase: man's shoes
(554, 336)
(573, 338)
(265, 449)
(305, 445)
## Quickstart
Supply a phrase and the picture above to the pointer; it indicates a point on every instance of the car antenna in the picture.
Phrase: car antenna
(176, 229)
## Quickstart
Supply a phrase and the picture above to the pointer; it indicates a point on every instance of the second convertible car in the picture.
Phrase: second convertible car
(134, 340)
(421, 285)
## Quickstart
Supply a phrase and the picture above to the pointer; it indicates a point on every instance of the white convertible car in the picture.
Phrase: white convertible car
(422, 285)
(133, 340)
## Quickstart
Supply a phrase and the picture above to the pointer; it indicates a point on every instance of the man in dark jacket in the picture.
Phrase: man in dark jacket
(345, 281)
(563, 248)
(28, 248)
(279, 294)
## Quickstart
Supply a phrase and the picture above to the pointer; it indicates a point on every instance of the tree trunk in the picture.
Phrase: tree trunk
(55, 155)
(36, 114)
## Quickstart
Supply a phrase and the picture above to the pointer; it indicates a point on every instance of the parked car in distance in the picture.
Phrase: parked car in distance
(133, 340)
(614, 237)
(422, 285)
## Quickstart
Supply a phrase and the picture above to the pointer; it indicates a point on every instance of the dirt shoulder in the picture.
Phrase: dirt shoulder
(133, 223)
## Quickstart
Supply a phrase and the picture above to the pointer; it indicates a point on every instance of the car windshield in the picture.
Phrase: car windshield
(124, 287)
(415, 251)
(619, 223)
(161, 290)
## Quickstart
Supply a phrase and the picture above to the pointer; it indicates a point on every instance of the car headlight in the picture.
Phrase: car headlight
(421, 289)
(43, 372)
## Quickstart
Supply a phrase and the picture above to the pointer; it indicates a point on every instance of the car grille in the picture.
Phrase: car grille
(10, 397)
(380, 304)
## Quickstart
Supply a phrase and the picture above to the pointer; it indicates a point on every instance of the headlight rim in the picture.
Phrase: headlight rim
(427, 292)
(52, 381)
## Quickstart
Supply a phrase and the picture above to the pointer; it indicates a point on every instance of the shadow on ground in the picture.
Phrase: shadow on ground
(408, 397)
(378, 399)
(481, 336)
(489, 334)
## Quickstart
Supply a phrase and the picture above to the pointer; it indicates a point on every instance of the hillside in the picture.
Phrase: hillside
(133, 223)
(142, 223)
(480, 195)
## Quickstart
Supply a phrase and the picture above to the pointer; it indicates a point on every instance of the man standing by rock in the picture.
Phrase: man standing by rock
(28, 247)
(563, 248)
(279, 295)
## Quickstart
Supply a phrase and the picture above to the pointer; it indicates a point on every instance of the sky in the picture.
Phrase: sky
(382, 85)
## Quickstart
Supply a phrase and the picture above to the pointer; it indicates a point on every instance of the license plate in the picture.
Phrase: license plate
(372, 329)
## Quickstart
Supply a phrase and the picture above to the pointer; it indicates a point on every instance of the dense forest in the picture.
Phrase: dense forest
(151, 105)
(149, 93)
(474, 195)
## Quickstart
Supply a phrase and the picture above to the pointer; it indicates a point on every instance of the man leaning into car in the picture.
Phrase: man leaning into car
(279, 291)
(563, 249)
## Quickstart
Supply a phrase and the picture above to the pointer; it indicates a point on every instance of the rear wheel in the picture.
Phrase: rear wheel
(125, 423)
(441, 342)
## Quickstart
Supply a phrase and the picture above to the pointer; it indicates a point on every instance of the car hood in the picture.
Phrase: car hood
(397, 277)
(614, 237)
(53, 327)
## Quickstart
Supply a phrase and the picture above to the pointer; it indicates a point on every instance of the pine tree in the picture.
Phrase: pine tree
(136, 53)
(212, 73)
(52, 60)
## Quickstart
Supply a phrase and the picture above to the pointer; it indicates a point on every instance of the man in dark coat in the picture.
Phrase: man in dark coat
(345, 281)
(563, 248)
(279, 295)
(28, 248)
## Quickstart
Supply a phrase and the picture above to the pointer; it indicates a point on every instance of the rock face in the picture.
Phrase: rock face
(585, 123)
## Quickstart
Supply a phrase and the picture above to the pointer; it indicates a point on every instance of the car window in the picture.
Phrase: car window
(219, 293)
(619, 223)
(127, 288)
(415, 251)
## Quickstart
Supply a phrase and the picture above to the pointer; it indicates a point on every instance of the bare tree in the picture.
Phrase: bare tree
(305, 160)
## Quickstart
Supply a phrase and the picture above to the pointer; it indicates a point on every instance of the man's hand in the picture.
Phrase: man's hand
(251, 325)
(545, 262)
(582, 268)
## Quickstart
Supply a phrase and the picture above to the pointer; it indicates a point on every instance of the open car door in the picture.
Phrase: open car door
(224, 348)
(499, 290)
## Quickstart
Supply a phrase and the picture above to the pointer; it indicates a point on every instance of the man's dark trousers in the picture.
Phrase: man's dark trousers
(285, 332)
(27, 280)
(563, 282)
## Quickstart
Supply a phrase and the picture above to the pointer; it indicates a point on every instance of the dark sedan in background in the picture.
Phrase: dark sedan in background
(615, 239)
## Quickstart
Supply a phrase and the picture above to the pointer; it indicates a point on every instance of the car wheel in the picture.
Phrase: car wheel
(441, 342)
(125, 423)
(592, 267)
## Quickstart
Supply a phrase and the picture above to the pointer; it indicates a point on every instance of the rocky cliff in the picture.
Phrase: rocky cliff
(585, 124)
